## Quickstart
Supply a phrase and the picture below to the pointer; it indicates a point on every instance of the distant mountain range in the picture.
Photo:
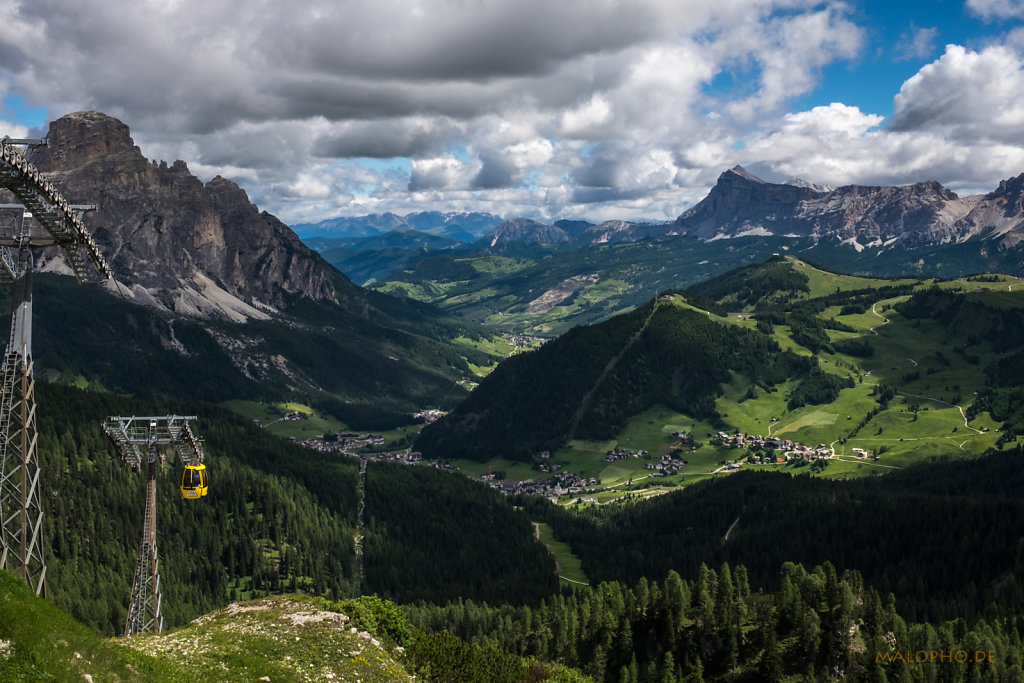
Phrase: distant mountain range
(553, 276)
(743, 205)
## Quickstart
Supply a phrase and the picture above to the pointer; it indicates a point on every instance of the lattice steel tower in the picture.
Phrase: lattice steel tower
(138, 440)
(46, 219)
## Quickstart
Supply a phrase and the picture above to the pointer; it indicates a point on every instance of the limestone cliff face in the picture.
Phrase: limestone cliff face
(196, 249)
(923, 213)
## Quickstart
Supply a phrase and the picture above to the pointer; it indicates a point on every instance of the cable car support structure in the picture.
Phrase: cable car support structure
(47, 220)
(139, 440)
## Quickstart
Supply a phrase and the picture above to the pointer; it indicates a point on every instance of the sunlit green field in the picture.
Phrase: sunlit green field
(271, 416)
(570, 569)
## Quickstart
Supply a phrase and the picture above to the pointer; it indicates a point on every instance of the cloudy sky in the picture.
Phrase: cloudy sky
(591, 109)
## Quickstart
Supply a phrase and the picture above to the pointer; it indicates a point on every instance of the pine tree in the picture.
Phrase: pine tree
(770, 670)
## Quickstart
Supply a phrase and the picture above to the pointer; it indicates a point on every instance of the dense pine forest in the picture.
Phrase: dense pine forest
(943, 536)
(279, 518)
(817, 625)
(437, 536)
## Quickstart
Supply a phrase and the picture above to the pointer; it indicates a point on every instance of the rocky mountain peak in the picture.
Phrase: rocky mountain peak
(526, 230)
(1009, 186)
(740, 204)
(80, 138)
(196, 249)
(800, 182)
(740, 172)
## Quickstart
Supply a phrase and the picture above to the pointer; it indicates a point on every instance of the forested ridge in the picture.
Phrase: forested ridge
(756, 285)
(371, 368)
(588, 382)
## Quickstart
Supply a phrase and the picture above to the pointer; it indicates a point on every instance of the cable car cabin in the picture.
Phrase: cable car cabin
(194, 481)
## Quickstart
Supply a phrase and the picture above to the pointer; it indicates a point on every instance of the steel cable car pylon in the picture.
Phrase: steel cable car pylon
(138, 440)
(47, 219)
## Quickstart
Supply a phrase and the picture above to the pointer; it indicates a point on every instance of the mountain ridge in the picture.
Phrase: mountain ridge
(465, 226)
(173, 242)
(925, 212)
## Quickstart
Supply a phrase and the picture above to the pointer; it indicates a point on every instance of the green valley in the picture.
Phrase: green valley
(547, 289)
(815, 371)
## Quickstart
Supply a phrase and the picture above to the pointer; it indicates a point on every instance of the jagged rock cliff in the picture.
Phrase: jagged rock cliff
(201, 250)
(924, 213)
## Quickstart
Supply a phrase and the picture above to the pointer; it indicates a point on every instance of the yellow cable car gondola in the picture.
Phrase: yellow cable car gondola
(194, 481)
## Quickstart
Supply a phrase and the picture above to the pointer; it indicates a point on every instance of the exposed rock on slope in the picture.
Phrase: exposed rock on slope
(244, 640)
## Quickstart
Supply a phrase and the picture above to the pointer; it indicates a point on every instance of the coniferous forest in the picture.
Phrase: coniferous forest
(280, 519)
(437, 536)
(817, 625)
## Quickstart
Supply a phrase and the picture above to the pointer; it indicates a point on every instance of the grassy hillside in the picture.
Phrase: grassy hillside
(547, 290)
(589, 382)
(900, 369)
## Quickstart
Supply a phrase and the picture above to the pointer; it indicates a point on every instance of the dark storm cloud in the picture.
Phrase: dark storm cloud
(417, 137)
(604, 166)
(600, 195)
(460, 41)
(497, 171)
(432, 176)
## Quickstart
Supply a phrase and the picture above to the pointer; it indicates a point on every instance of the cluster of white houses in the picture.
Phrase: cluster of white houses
(429, 416)
(551, 487)
(345, 442)
(763, 447)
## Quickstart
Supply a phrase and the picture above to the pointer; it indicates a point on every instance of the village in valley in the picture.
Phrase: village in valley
(556, 482)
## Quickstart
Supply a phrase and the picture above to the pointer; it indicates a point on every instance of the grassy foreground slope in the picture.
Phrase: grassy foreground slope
(38, 641)
(279, 638)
